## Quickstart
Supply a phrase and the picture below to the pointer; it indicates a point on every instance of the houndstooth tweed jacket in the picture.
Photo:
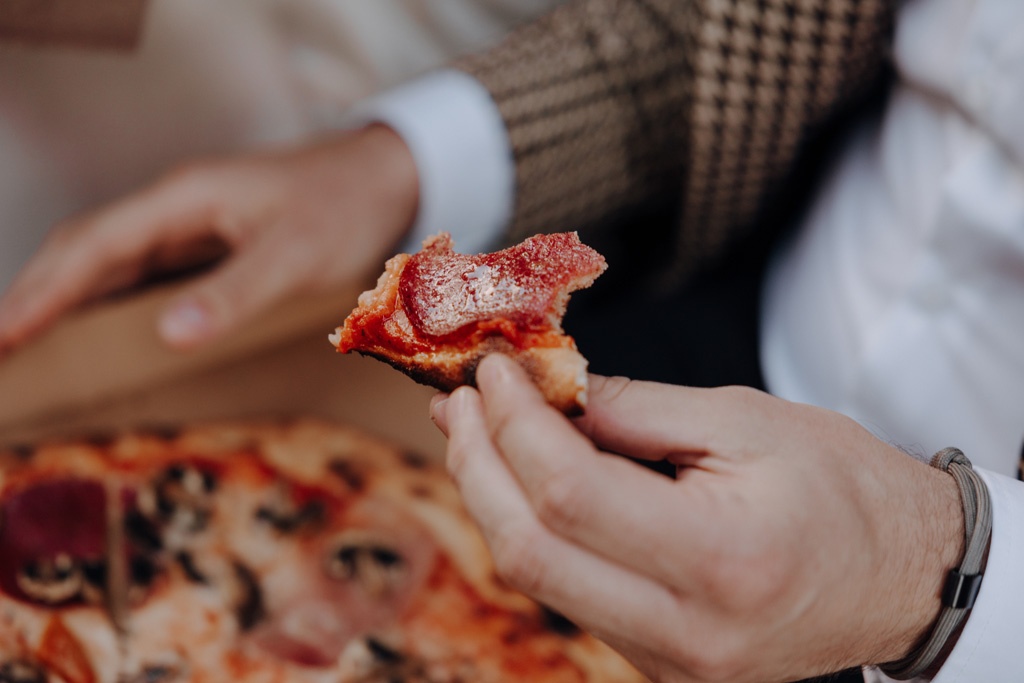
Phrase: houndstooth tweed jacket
(610, 103)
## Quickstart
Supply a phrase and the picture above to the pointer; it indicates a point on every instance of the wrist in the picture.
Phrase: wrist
(963, 581)
(366, 185)
(944, 549)
(396, 178)
(932, 543)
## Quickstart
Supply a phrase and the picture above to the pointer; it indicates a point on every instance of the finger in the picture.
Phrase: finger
(94, 254)
(602, 502)
(652, 665)
(439, 411)
(247, 284)
(573, 581)
(655, 421)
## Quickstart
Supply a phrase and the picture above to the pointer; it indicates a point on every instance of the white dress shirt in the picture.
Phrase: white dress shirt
(901, 300)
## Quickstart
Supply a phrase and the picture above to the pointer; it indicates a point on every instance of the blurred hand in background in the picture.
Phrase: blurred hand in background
(80, 129)
(295, 221)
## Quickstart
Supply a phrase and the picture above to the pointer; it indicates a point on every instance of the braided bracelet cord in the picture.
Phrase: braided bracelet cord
(963, 583)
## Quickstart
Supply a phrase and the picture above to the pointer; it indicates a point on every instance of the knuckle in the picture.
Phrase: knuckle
(560, 500)
(716, 661)
(748, 576)
(706, 650)
(502, 427)
(455, 462)
(741, 395)
(517, 560)
(301, 256)
(184, 174)
(614, 389)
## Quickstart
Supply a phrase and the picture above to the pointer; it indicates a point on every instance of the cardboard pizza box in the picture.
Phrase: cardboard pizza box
(105, 369)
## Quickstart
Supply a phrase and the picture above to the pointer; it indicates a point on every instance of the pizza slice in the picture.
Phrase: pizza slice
(435, 314)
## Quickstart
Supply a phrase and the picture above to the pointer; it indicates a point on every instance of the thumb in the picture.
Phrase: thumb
(654, 421)
(244, 286)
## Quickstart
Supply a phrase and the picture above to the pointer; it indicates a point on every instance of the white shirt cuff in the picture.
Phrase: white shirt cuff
(462, 152)
(989, 649)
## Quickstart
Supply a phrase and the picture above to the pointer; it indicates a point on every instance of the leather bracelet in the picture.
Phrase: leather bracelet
(963, 582)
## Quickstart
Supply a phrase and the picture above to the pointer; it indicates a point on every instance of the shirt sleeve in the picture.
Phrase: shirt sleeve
(989, 648)
(462, 152)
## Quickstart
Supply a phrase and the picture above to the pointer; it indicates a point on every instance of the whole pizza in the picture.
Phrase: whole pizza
(300, 551)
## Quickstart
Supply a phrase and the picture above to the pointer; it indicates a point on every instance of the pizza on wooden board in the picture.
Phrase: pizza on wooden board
(435, 314)
(292, 552)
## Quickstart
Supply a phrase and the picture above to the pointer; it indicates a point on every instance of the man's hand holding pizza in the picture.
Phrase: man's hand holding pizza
(791, 544)
(293, 221)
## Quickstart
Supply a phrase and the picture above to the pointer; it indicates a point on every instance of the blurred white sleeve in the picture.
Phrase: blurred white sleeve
(463, 155)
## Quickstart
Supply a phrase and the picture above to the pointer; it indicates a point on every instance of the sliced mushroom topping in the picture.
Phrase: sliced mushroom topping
(351, 473)
(51, 581)
(188, 566)
(382, 653)
(181, 497)
(20, 671)
(370, 561)
(94, 581)
(155, 673)
(370, 660)
(249, 607)
(141, 532)
(143, 570)
(287, 516)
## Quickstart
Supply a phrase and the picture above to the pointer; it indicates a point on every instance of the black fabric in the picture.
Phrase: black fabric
(848, 676)
(704, 335)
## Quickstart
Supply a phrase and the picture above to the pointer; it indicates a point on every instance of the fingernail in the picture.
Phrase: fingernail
(497, 367)
(439, 410)
(457, 404)
(185, 322)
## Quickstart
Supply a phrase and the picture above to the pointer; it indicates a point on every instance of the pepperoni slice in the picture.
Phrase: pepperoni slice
(49, 533)
(527, 284)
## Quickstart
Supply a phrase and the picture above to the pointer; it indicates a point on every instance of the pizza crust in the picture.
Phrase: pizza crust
(559, 373)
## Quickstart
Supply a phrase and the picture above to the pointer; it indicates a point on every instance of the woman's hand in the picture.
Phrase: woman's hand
(793, 543)
(301, 220)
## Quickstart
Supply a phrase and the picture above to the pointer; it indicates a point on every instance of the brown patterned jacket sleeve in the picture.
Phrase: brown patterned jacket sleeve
(612, 102)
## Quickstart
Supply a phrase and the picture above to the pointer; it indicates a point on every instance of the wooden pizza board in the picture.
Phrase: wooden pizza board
(105, 369)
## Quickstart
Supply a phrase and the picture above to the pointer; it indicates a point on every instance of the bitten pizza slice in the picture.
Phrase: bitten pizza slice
(435, 314)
